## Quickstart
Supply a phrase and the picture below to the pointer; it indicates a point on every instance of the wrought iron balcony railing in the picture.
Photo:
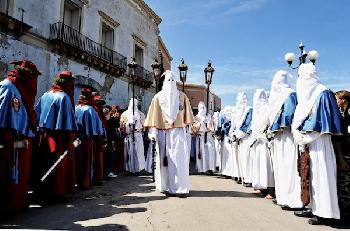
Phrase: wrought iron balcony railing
(61, 32)
(144, 74)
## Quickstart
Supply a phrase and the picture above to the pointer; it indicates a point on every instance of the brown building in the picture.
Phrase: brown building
(165, 54)
(197, 93)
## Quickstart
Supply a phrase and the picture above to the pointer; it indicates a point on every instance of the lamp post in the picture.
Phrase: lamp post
(132, 68)
(156, 72)
(183, 73)
(208, 74)
(161, 68)
(312, 55)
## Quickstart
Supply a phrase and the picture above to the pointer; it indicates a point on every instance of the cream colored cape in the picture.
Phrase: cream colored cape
(124, 118)
(157, 119)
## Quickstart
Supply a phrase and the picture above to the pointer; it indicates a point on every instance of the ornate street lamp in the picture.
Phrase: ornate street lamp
(132, 74)
(183, 73)
(208, 74)
(312, 55)
(156, 71)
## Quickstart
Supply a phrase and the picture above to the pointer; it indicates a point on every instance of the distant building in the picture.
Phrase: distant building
(93, 39)
(197, 93)
(165, 59)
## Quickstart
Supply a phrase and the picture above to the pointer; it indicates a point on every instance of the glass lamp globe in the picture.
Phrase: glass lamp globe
(289, 58)
(313, 55)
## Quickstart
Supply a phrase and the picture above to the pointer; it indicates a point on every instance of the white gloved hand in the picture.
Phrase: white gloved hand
(302, 148)
(261, 136)
(298, 138)
(152, 134)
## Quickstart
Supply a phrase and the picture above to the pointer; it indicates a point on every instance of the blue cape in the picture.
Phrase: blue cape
(55, 112)
(89, 124)
(246, 125)
(9, 116)
(224, 125)
(326, 118)
(285, 118)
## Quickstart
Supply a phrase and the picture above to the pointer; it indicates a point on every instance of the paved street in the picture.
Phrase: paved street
(131, 203)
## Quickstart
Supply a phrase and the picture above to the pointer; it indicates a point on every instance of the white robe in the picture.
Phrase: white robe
(227, 160)
(237, 172)
(217, 144)
(134, 150)
(245, 160)
(149, 159)
(323, 177)
(174, 178)
(262, 169)
(207, 151)
(285, 164)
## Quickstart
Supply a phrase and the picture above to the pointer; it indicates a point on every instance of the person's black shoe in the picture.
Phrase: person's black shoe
(168, 194)
(274, 201)
(248, 185)
(303, 213)
(287, 208)
(315, 220)
(239, 181)
(182, 195)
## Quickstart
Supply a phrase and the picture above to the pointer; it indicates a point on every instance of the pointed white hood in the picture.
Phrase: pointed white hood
(308, 89)
(280, 90)
(170, 96)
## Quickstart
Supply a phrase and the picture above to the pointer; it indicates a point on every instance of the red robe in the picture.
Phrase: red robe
(98, 157)
(13, 197)
(52, 145)
(83, 162)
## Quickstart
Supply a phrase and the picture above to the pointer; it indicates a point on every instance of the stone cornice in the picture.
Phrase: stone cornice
(161, 43)
(108, 19)
(148, 10)
(138, 40)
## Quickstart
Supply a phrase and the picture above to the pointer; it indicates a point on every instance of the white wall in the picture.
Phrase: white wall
(41, 13)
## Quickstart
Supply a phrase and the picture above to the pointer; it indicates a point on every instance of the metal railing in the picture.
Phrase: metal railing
(144, 74)
(66, 34)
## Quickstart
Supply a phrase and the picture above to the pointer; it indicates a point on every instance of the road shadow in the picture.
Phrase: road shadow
(102, 203)
(196, 193)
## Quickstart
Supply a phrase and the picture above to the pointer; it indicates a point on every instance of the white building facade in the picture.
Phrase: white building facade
(94, 39)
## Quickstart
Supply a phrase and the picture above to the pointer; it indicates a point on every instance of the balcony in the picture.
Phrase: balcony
(143, 77)
(10, 25)
(71, 43)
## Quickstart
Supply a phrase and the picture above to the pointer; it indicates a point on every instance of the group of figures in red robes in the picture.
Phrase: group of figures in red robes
(54, 147)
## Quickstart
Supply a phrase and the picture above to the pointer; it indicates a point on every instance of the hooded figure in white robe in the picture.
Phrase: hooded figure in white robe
(168, 119)
(243, 118)
(205, 147)
(262, 169)
(316, 118)
(282, 104)
(132, 122)
(225, 124)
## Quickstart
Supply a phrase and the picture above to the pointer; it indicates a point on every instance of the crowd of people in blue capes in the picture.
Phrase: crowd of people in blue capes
(57, 146)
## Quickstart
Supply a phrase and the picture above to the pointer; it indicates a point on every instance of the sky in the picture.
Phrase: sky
(246, 40)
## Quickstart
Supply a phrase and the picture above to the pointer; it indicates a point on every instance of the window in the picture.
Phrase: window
(139, 55)
(107, 38)
(72, 14)
(3, 6)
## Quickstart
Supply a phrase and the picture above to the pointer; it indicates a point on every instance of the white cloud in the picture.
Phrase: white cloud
(201, 12)
(245, 6)
(230, 89)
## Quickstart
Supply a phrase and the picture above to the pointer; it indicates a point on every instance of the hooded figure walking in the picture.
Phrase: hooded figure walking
(169, 117)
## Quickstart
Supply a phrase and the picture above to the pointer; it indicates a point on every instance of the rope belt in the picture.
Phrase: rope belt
(17, 144)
